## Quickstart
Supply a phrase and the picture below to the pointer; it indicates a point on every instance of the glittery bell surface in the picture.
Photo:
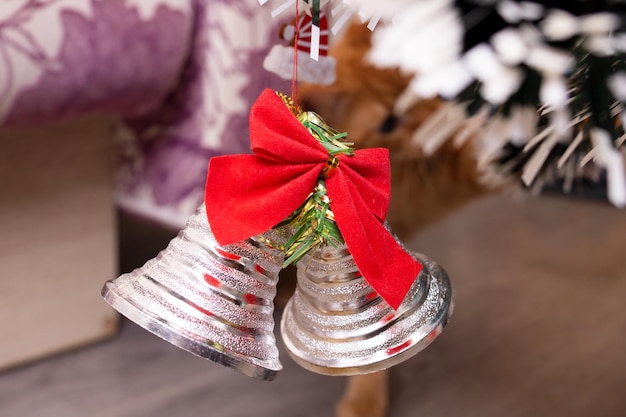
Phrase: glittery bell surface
(336, 324)
(213, 301)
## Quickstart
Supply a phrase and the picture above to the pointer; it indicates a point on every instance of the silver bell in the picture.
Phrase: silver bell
(336, 324)
(213, 301)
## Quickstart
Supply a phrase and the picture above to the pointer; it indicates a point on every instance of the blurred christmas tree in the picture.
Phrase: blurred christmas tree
(546, 77)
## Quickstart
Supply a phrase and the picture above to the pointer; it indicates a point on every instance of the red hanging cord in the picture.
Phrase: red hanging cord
(294, 75)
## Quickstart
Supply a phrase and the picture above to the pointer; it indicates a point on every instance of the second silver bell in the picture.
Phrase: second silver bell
(336, 324)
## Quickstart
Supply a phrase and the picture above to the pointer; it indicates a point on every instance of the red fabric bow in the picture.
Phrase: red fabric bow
(249, 194)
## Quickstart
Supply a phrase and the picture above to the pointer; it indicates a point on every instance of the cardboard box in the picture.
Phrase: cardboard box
(57, 238)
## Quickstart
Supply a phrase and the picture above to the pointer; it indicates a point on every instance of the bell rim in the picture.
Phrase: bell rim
(365, 368)
(373, 363)
(266, 371)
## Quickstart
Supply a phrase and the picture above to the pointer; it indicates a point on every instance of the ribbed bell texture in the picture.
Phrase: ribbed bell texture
(213, 301)
(336, 324)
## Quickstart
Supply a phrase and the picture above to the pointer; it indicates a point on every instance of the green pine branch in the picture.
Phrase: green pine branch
(313, 225)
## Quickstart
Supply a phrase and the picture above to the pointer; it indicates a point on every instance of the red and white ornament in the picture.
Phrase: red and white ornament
(311, 46)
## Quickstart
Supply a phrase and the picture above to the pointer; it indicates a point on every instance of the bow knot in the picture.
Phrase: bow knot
(247, 195)
(331, 165)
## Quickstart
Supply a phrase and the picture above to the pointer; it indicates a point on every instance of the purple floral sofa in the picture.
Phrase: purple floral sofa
(179, 75)
(158, 86)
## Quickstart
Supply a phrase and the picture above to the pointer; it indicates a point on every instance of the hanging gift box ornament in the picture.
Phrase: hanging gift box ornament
(215, 301)
(308, 35)
(358, 282)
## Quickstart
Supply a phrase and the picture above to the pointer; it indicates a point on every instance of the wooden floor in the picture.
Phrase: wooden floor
(539, 329)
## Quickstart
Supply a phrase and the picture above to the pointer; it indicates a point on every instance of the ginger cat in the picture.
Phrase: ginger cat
(424, 188)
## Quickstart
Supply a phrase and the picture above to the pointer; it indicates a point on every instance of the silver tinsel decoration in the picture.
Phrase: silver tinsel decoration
(545, 78)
